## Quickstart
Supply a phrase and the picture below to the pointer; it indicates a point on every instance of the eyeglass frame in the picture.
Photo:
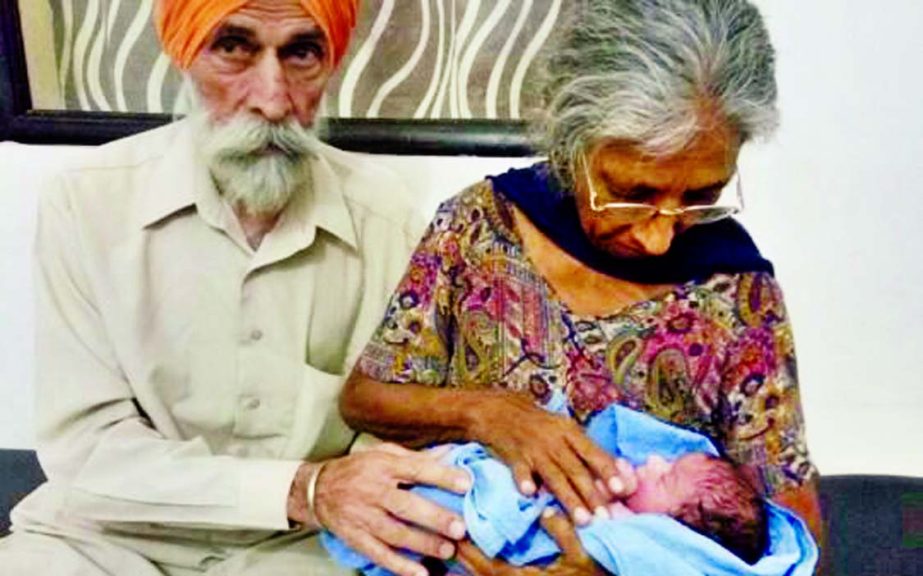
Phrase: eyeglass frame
(669, 212)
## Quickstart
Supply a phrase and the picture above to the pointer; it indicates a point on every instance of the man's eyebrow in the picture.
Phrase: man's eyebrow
(234, 30)
(314, 35)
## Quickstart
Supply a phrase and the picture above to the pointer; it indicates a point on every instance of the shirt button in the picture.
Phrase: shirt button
(209, 562)
(252, 403)
(256, 335)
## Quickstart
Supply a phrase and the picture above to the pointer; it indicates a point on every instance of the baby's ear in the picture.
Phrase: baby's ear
(752, 476)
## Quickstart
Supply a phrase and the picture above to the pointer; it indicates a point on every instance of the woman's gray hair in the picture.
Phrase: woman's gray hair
(648, 71)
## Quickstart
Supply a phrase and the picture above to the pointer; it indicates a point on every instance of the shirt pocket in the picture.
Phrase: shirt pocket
(318, 430)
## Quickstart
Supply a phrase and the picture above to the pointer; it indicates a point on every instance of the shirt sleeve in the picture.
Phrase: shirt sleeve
(93, 438)
(763, 419)
(413, 342)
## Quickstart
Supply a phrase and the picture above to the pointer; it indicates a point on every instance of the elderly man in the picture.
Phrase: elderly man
(203, 288)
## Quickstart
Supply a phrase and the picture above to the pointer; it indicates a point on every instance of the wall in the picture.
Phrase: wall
(834, 200)
(411, 59)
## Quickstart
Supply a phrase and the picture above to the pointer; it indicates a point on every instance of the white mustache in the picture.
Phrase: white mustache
(258, 164)
(248, 136)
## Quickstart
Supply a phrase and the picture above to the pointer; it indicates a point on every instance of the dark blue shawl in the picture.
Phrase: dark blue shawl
(696, 254)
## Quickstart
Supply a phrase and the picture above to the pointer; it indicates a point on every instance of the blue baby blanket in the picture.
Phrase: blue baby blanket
(505, 524)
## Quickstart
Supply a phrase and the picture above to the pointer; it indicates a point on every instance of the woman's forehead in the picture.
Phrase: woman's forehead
(713, 147)
(705, 163)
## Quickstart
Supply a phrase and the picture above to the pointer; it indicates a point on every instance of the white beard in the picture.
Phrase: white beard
(257, 165)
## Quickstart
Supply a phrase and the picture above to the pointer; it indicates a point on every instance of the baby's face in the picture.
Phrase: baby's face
(662, 486)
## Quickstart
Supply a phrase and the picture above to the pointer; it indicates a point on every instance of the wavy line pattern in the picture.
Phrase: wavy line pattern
(65, 18)
(437, 69)
(477, 42)
(129, 40)
(447, 74)
(436, 59)
(531, 51)
(464, 30)
(496, 75)
(358, 63)
(94, 64)
(84, 36)
(407, 69)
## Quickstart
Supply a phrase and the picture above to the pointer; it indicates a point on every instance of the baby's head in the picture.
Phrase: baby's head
(708, 494)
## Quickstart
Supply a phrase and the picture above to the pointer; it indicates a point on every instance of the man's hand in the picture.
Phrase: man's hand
(357, 498)
(572, 562)
(534, 442)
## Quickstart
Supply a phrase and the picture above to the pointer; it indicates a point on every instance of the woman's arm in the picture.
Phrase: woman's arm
(414, 414)
(805, 502)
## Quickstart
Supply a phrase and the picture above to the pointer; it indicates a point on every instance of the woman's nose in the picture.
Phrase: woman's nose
(655, 236)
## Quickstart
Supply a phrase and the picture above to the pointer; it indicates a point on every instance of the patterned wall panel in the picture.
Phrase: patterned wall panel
(418, 59)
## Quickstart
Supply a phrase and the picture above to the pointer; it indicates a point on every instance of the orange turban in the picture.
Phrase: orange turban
(184, 25)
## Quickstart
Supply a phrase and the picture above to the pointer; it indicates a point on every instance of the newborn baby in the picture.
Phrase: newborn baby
(704, 492)
(689, 511)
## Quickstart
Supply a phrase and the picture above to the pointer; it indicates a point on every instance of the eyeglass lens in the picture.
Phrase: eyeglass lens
(705, 214)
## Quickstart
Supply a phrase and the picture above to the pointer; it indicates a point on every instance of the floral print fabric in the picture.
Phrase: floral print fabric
(715, 356)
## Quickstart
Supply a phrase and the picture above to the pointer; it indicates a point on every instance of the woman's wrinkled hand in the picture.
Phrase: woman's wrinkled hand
(573, 561)
(536, 443)
(359, 499)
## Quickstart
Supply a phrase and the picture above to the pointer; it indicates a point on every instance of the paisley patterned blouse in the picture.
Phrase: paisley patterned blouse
(714, 356)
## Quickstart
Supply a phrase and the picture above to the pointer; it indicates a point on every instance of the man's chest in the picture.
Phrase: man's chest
(214, 346)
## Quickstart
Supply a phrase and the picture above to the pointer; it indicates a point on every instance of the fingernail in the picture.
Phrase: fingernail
(457, 530)
(446, 551)
(548, 512)
(601, 513)
(527, 487)
(463, 483)
(616, 485)
(582, 516)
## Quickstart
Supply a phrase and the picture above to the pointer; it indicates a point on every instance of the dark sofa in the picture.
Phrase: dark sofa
(875, 523)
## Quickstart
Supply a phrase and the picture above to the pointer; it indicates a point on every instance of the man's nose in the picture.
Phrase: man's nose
(655, 236)
(269, 93)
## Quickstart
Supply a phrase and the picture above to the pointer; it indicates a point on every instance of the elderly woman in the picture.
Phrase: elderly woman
(611, 273)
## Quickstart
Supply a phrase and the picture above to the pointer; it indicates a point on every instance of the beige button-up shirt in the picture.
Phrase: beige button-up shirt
(182, 376)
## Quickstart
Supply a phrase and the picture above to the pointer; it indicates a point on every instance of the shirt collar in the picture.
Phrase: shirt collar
(329, 208)
(172, 185)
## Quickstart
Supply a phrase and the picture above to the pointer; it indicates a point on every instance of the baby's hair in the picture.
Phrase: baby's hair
(728, 509)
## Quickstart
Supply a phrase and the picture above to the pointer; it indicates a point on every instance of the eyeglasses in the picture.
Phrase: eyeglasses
(631, 212)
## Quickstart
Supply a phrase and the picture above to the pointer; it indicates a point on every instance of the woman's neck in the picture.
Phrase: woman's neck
(583, 290)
